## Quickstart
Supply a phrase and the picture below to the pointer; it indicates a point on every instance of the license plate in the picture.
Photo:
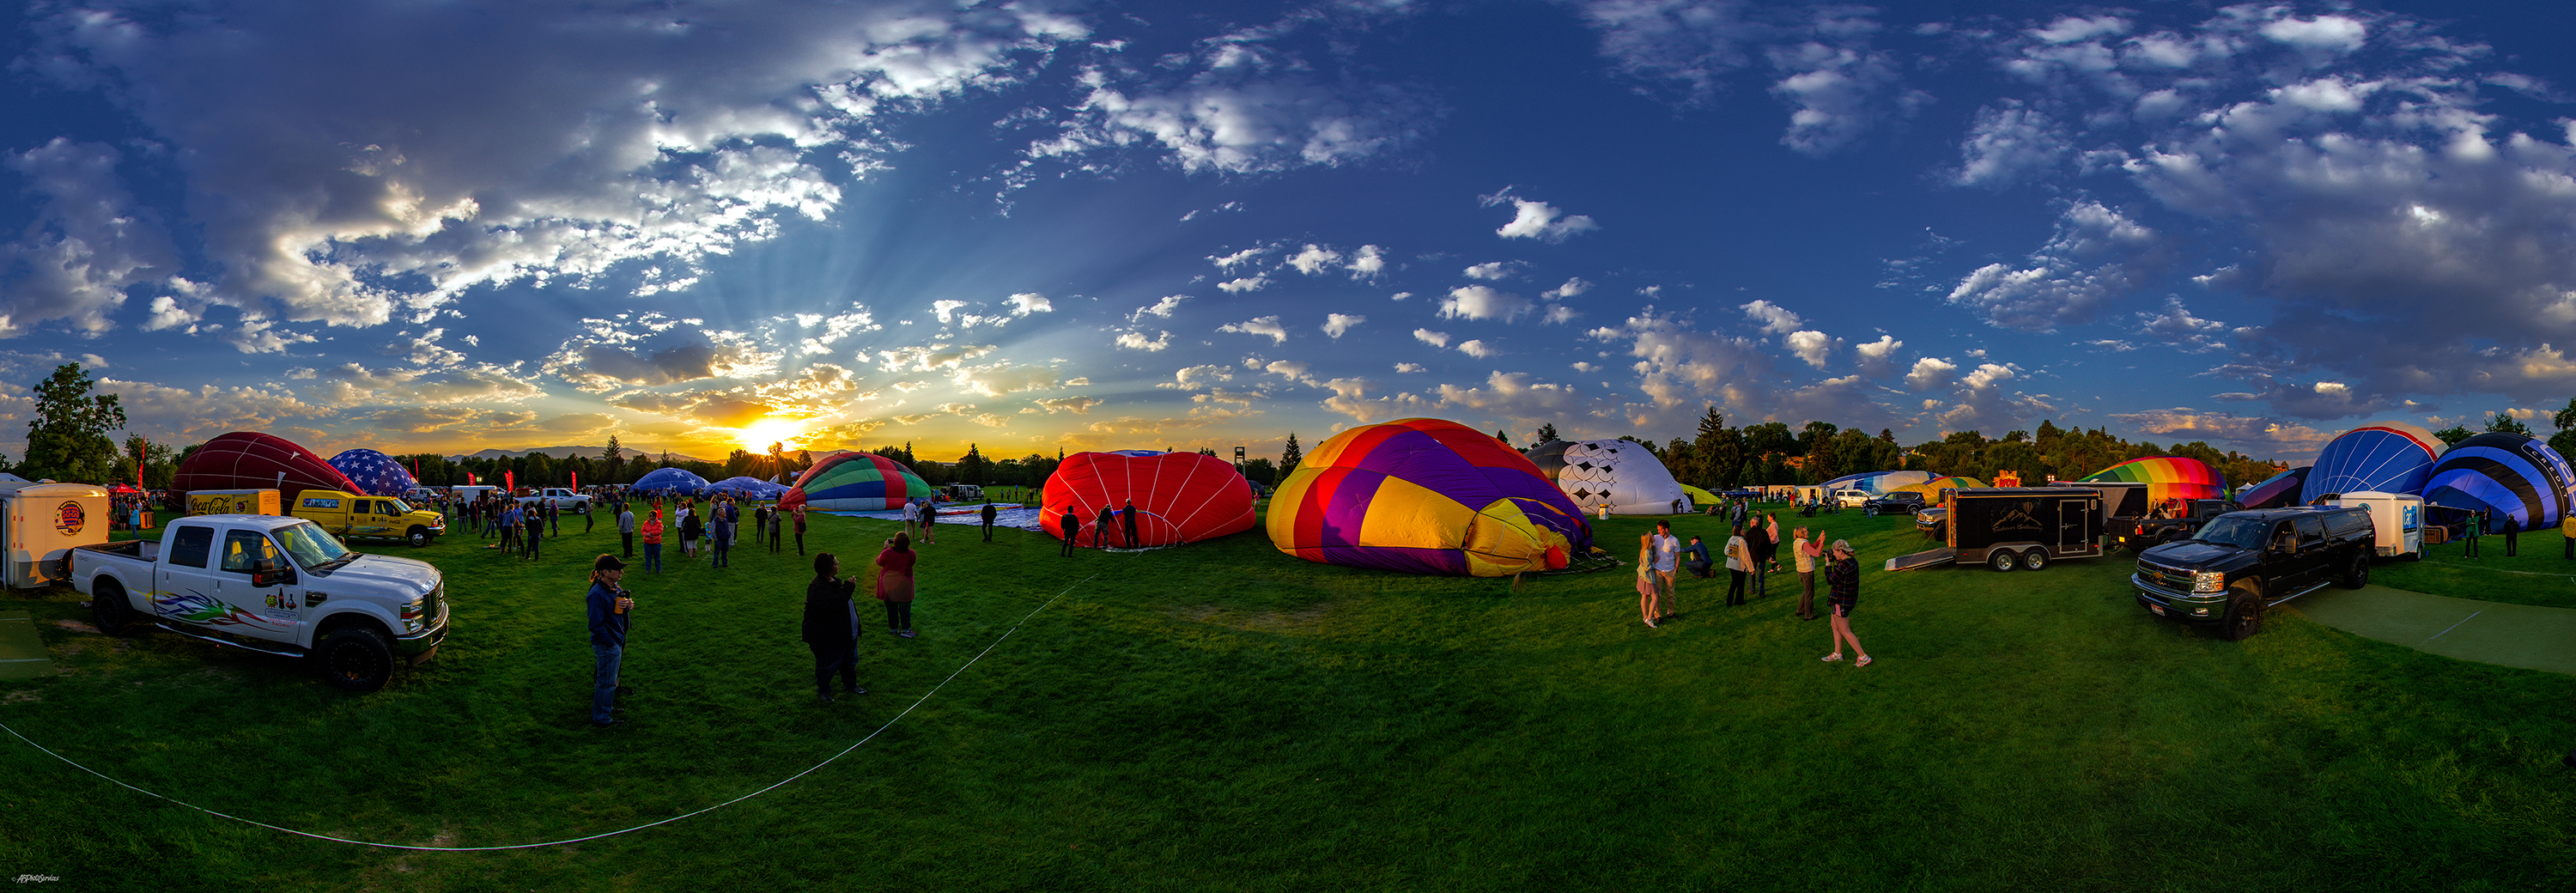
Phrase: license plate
(2156, 608)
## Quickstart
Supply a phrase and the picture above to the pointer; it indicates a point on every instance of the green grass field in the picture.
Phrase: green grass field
(1224, 717)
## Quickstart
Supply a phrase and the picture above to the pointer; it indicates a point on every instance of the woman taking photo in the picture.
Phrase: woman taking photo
(894, 583)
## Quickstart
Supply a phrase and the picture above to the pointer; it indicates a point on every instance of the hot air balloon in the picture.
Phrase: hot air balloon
(669, 482)
(1620, 474)
(1877, 483)
(2278, 490)
(2516, 478)
(1425, 496)
(375, 473)
(2168, 477)
(1179, 497)
(2390, 457)
(855, 482)
(741, 487)
(1935, 488)
(249, 460)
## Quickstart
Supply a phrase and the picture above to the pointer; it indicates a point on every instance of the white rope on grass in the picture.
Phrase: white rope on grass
(988, 649)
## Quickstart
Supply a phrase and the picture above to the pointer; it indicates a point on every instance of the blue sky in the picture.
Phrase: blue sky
(1039, 226)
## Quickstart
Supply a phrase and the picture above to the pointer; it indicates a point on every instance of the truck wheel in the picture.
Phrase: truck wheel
(109, 608)
(355, 659)
(2244, 614)
(2000, 559)
(419, 537)
(2357, 574)
(2035, 559)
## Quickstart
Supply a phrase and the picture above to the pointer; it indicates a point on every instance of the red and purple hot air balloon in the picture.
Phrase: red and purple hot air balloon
(249, 460)
(2168, 477)
(1425, 496)
(1179, 497)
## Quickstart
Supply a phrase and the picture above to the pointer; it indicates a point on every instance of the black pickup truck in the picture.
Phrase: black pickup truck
(2141, 534)
(2242, 562)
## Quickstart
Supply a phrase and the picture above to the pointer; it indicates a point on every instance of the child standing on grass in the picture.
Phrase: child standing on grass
(1842, 578)
(894, 583)
(1646, 606)
(653, 543)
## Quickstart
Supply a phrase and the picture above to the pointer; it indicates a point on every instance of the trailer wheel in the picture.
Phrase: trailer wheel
(2001, 559)
(2035, 559)
(2357, 574)
(109, 608)
(2244, 614)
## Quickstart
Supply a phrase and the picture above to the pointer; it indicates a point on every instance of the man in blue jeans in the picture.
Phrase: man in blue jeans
(608, 607)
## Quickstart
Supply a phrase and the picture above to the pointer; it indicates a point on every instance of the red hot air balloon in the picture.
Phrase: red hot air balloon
(249, 460)
(1179, 497)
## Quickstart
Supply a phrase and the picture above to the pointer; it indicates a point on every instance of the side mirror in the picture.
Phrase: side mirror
(270, 572)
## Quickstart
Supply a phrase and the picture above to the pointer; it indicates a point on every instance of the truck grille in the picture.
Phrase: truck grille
(2174, 580)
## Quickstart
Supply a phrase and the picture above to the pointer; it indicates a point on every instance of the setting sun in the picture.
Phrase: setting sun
(758, 435)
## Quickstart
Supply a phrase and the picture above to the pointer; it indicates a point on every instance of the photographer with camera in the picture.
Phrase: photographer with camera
(608, 607)
(832, 628)
(894, 583)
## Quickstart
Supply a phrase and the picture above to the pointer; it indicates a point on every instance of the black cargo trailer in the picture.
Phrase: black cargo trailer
(2008, 527)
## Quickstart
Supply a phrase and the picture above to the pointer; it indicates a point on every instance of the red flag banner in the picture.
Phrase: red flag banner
(576, 480)
(510, 482)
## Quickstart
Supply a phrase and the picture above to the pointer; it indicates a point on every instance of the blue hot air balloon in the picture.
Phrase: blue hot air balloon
(2517, 479)
(2276, 491)
(2390, 457)
(670, 482)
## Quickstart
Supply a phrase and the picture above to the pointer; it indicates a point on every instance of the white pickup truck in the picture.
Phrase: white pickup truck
(566, 499)
(276, 585)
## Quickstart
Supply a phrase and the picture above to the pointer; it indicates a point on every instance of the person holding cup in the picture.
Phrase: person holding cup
(608, 607)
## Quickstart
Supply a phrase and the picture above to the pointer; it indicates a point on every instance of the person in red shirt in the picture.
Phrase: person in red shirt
(894, 583)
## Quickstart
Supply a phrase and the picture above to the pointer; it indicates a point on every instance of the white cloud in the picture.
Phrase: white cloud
(1369, 261)
(1435, 339)
(2070, 29)
(1482, 302)
(1230, 261)
(1245, 284)
(946, 310)
(1571, 288)
(1026, 303)
(1138, 341)
(2327, 32)
(1193, 377)
(1495, 270)
(1539, 220)
(2097, 257)
(2261, 436)
(1558, 313)
(1265, 325)
(2010, 143)
(1837, 94)
(1337, 323)
(1877, 358)
(627, 137)
(1162, 308)
(1409, 368)
(1478, 349)
(1232, 117)
(1775, 319)
(1398, 296)
(1315, 259)
(1816, 348)
(87, 245)
(1931, 374)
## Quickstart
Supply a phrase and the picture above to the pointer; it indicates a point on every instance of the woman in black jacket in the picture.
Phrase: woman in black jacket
(832, 628)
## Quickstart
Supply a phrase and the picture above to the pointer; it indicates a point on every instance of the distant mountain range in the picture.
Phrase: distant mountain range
(567, 452)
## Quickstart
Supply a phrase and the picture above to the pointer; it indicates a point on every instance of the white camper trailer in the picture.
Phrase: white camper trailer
(2396, 517)
(39, 525)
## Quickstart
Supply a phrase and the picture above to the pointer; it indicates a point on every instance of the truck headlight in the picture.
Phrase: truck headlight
(412, 613)
(2209, 581)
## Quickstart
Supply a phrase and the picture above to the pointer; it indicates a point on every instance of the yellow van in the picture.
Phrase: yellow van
(350, 515)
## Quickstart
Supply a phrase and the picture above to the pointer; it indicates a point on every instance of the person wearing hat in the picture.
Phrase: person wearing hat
(1842, 580)
(608, 607)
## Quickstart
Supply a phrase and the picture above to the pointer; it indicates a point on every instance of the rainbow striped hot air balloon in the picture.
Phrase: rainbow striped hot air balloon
(2389, 457)
(1425, 496)
(855, 482)
(2168, 477)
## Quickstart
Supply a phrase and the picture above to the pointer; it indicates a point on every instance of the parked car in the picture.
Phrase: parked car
(1901, 502)
(1933, 521)
(275, 585)
(359, 516)
(569, 500)
(1851, 499)
(2141, 534)
(2243, 562)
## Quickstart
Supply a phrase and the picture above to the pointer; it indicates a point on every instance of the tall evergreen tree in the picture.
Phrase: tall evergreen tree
(1288, 458)
(1547, 432)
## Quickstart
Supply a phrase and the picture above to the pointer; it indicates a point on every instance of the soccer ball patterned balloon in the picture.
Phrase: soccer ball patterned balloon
(1616, 473)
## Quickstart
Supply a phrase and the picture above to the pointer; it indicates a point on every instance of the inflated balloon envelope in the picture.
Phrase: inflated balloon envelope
(1179, 497)
(250, 460)
(1425, 496)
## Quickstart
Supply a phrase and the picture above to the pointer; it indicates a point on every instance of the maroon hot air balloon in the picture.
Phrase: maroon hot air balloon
(249, 460)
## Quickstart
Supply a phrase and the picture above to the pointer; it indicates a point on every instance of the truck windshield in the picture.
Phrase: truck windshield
(400, 507)
(310, 544)
(2243, 533)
